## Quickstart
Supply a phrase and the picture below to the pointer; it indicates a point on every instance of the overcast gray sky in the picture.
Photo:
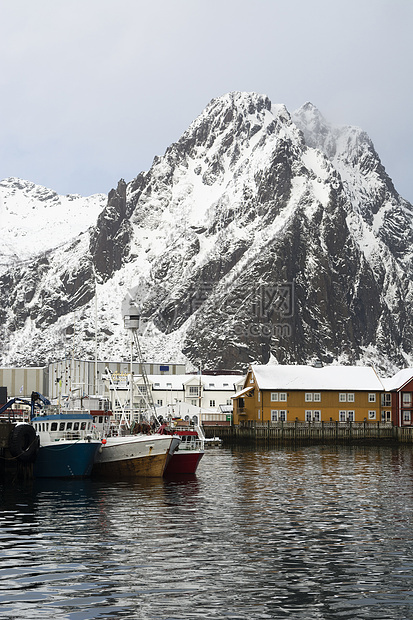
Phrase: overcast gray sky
(92, 90)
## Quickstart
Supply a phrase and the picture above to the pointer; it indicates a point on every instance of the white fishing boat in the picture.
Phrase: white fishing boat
(134, 455)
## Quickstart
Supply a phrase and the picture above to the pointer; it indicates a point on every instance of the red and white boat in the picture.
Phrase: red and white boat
(186, 458)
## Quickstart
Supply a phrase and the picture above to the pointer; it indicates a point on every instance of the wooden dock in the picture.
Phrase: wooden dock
(311, 432)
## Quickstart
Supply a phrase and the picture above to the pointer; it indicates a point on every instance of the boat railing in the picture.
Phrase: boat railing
(191, 443)
(71, 435)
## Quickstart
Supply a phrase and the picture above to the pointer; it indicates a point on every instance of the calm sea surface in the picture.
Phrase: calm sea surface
(317, 532)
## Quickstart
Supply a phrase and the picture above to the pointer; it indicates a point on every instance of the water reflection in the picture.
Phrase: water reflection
(314, 532)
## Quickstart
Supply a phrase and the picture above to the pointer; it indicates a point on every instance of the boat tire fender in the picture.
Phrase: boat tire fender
(24, 443)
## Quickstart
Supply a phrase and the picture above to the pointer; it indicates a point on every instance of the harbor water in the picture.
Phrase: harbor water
(319, 532)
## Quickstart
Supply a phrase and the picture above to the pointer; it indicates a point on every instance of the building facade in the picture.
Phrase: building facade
(298, 393)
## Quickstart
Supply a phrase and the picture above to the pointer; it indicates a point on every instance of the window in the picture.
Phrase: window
(342, 416)
(212, 403)
(350, 416)
(342, 397)
(275, 397)
(317, 397)
(69, 426)
(157, 385)
(406, 416)
(53, 426)
(308, 397)
(386, 400)
(317, 416)
(211, 385)
(308, 416)
(159, 402)
(195, 402)
(274, 415)
(283, 416)
(407, 398)
(61, 426)
(350, 398)
(372, 415)
(193, 390)
(372, 398)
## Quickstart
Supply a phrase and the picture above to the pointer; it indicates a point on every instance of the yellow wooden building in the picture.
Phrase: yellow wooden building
(277, 393)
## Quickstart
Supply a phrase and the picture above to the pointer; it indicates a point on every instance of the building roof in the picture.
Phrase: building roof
(299, 377)
(243, 392)
(209, 382)
(398, 380)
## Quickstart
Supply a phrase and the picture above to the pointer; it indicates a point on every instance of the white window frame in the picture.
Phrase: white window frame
(308, 397)
(317, 397)
(212, 403)
(274, 397)
(283, 415)
(283, 397)
(342, 416)
(308, 415)
(274, 415)
(407, 416)
(350, 397)
(372, 397)
(342, 397)
(351, 415)
(372, 415)
(317, 415)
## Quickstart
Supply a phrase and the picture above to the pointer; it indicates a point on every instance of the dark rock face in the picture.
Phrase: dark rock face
(257, 235)
(109, 242)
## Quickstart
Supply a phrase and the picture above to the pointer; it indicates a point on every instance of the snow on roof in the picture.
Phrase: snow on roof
(398, 380)
(243, 392)
(209, 382)
(299, 377)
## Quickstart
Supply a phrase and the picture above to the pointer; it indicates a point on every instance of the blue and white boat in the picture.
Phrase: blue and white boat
(67, 445)
(67, 442)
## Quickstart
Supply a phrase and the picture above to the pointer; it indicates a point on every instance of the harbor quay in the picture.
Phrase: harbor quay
(254, 432)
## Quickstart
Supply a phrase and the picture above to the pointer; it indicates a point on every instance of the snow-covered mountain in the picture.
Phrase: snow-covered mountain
(35, 219)
(259, 235)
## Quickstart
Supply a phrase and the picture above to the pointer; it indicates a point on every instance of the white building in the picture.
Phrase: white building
(208, 393)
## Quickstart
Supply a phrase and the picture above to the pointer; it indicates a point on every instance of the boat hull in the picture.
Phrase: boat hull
(135, 456)
(65, 460)
(184, 462)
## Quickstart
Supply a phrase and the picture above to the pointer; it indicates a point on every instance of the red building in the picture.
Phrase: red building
(397, 400)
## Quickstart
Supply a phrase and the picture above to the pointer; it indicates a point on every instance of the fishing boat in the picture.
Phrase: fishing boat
(135, 455)
(67, 445)
(60, 445)
(187, 456)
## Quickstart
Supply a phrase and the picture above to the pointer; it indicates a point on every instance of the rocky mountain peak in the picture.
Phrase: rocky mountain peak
(257, 235)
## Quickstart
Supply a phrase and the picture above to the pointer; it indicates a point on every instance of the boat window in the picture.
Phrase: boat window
(69, 426)
(83, 426)
(61, 426)
(75, 426)
(43, 426)
(101, 419)
(53, 426)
